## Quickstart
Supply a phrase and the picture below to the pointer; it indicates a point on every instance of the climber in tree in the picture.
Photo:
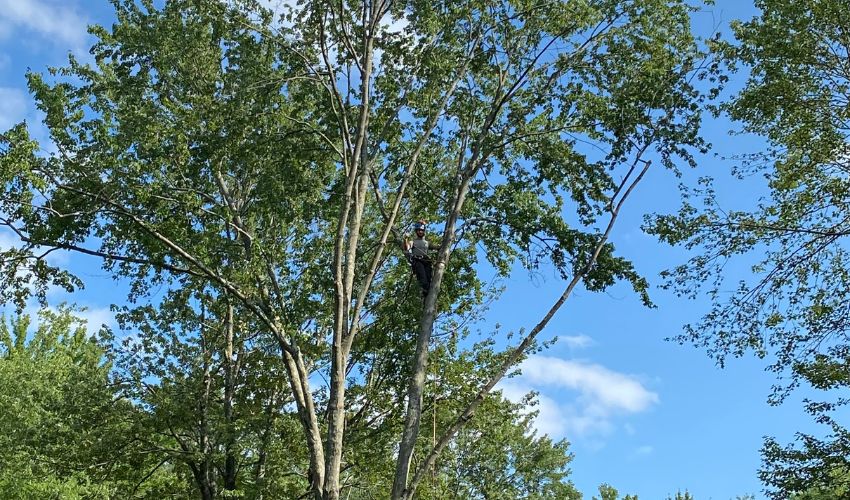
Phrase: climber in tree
(418, 253)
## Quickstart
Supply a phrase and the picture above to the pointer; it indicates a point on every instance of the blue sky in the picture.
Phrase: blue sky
(647, 416)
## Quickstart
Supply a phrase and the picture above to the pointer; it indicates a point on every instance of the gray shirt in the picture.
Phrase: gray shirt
(419, 248)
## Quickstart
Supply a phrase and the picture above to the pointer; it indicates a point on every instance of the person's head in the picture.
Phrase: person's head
(419, 227)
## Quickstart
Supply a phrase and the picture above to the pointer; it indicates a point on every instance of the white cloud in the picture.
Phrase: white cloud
(600, 395)
(577, 341)
(643, 450)
(13, 106)
(557, 419)
(94, 317)
(548, 420)
(53, 20)
(599, 384)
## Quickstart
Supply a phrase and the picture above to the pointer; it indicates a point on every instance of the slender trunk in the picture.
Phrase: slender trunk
(336, 405)
(466, 172)
(626, 186)
(426, 324)
(297, 374)
(206, 472)
(293, 362)
(229, 390)
(390, 218)
(262, 455)
(350, 218)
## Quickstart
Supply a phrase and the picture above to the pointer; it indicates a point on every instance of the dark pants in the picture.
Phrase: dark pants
(422, 270)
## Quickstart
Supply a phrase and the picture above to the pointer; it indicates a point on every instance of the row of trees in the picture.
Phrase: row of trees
(250, 176)
(84, 420)
(72, 433)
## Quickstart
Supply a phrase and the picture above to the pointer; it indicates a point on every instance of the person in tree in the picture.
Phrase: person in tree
(418, 253)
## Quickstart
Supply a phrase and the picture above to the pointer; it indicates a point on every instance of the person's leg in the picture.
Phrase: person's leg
(426, 265)
(422, 276)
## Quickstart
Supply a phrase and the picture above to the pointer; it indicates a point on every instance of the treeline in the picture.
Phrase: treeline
(85, 419)
(78, 426)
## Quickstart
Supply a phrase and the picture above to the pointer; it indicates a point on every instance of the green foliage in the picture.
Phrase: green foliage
(608, 492)
(792, 309)
(683, 496)
(836, 485)
(811, 468)
(498, 456)
(65, 435)
(183, 97)
(212, 398)
(65, 413)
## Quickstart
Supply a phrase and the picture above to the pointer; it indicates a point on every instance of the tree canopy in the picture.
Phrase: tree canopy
(251, 177)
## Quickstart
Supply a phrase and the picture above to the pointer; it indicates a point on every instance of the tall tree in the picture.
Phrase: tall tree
(792, 309)
(271, 166)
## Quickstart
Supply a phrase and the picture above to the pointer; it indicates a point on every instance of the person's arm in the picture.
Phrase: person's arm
(432, 248)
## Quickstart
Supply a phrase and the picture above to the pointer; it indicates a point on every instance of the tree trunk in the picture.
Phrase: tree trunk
(206, 470)
(262, 454)
(309, 422)
(420, 360)
(349, 224)
(229, 390)
(626, 187)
